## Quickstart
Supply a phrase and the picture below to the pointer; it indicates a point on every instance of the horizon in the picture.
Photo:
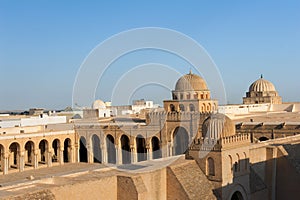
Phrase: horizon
(43, 45)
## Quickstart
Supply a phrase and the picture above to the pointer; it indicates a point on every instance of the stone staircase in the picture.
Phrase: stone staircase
(191, 180)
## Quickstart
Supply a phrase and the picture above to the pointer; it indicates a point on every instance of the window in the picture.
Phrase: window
(172, 108)
(181, 107)
(210, 167)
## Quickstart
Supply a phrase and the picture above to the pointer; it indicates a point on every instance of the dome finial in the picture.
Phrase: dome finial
(261, 76)
(190, 71)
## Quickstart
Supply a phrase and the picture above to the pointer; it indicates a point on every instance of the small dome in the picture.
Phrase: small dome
(99, 104)
(217, 126)
(190, 82)
(262, 85)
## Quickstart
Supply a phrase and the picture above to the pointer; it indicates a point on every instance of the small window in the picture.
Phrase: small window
(210, 167)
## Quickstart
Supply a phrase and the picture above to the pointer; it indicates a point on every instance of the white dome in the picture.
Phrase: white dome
(99, 104)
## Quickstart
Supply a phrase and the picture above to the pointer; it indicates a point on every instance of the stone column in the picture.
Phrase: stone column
(36, 159)
(103, 154)
(133, 155)
(4, 163)
(149, 153)
(49, 157)
(21, 163)
(118, 155)
(71, 154)
(61, 156)
(90, 154)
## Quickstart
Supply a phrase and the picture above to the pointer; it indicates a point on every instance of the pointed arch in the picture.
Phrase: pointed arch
(111, 150)
(156, 151)
(83, 157)
(125, 146)
(96, 149)
(180, 141)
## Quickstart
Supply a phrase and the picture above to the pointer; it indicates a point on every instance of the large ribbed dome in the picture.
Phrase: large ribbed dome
(217, 126)
(190, 82)
(262, 85)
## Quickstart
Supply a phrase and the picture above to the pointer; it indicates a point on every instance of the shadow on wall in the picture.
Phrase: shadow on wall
(277, 178)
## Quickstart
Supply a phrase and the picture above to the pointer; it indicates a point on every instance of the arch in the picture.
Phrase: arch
(263, 138)
(83, 157)
(172, 108)
(181, 107)
(156, 152)
(14, 149)
(180, 141)
(43, 147)
(96, 149)
(192, 107)
(125, 146)
(203, 107)
(188, 96)
(56, 149)
(67, 150)
(208, 107)
(195, 95)
(141, 148)
(210, 167)
(111, 150)
(237, 195)
(29, 153)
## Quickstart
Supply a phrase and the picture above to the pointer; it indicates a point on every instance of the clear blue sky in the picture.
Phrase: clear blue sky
(43, 43)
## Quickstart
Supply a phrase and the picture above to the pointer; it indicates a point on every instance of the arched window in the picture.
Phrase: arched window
(188, 96)
(181, 107)
(172, 108)
(210, 167)
(192, 108)
(196, 96)
(237, 196)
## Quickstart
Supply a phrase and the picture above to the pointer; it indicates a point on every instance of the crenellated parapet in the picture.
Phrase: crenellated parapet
(235, 140)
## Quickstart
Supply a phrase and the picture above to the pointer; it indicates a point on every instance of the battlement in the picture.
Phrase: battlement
(240, 139)
(176, 116)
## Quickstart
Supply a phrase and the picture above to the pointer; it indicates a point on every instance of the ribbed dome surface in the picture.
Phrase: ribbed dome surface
(262, 85)
(217, 126)
(191, 82)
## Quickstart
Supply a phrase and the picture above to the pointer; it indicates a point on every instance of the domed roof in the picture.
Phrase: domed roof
(217, 126)
(262, 85)
(99, 104)
(191, 82)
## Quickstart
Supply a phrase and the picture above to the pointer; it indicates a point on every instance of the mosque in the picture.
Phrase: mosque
(247, 151)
